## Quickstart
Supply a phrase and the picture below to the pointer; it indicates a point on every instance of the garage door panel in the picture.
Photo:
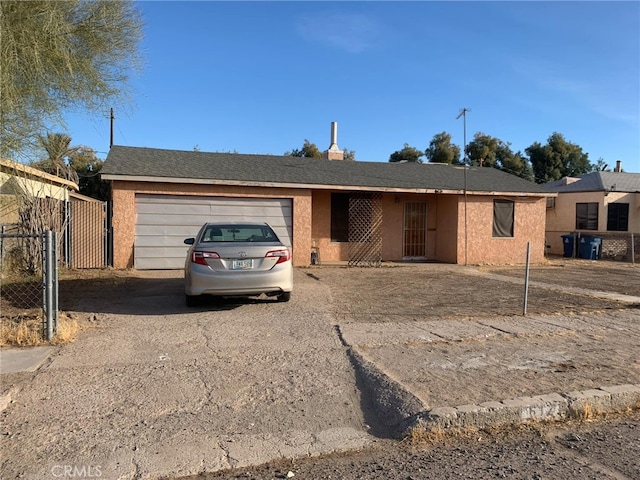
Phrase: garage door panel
(164, 221)
(172, 209)
(183, 231)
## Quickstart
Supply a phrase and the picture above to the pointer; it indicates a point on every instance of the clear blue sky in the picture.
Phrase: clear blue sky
(261, 77)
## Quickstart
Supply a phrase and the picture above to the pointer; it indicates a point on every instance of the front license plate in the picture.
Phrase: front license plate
(242, 264)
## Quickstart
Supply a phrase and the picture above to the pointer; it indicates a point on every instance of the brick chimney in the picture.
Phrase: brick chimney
(334, 153)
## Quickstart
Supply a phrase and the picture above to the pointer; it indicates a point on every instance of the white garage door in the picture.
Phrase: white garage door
(164, 221)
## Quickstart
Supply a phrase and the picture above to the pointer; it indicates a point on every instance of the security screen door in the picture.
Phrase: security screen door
(415, 231)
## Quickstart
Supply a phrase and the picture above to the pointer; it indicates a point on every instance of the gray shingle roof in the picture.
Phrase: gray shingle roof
(176, 164)
(598, 182)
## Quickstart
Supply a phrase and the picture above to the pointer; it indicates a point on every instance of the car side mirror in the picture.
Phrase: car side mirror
(189, 241)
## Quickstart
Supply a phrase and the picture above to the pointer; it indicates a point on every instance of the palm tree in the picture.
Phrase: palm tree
(58, 148)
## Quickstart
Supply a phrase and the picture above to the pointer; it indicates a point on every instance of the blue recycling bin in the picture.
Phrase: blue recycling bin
(567, 242)
(589, 247)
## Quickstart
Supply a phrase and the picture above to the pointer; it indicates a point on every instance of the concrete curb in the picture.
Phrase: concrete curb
(556, 406)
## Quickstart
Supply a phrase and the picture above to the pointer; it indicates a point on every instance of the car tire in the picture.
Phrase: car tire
(284, 297)
(192, 300)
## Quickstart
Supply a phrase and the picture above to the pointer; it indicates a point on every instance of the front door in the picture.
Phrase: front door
(415, 231)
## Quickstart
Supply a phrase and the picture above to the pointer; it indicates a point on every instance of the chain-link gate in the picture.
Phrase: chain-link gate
(365, 229)
(29, 279)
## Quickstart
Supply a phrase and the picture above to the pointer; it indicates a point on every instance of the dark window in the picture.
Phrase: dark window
(339, 217)
(618, 217)
(587, 216)
(503, 218)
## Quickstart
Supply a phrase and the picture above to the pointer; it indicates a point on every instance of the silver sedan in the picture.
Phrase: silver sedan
(237, 259)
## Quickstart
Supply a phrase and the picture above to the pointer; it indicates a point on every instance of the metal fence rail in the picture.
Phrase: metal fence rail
(29, 278)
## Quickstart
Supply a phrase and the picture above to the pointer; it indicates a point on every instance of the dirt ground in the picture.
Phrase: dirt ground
(450, 335)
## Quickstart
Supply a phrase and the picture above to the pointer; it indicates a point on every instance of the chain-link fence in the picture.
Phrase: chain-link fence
(29, 278)
(620, 247)
(612, 246)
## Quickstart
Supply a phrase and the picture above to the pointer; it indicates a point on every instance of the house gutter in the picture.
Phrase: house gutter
(243, 183)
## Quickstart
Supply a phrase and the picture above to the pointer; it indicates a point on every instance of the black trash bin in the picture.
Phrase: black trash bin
(567, 242)
(589, 247)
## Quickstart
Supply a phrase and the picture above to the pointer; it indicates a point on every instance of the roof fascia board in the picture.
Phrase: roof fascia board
(34, 172)
(238, 183)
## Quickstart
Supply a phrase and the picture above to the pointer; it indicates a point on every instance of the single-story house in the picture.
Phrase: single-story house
(17, 179)
(595, 204)
(328, 210)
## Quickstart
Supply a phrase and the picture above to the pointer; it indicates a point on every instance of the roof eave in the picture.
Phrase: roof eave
(246, 183)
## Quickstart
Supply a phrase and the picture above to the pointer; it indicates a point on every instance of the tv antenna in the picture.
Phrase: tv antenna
(463, 113)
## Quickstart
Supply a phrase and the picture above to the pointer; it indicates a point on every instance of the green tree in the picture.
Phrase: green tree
(601, 166)
(516, 164)
(87, 165)
(58, 148)
(311, 150)
(557, 159)
(441, 150)
(59, 55)
(408, 154)
(482, 150)
(349, 155)
(487, 151)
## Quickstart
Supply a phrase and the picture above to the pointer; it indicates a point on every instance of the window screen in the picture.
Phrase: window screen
(587, 216)
(339, 217)
(618, 217)
(503, 218)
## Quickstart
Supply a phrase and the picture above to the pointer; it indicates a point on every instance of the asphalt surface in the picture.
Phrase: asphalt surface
(153, 389)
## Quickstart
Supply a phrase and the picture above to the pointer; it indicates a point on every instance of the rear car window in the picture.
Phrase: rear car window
(239, 233)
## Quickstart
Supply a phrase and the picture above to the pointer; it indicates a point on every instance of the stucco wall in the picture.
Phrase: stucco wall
(124, 213)
(446, 228)
(561, 219)
(483, 248)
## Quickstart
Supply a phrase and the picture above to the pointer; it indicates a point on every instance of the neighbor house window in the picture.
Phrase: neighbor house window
(339, 217)
(587, 216)
(618, 217)
(503, 211)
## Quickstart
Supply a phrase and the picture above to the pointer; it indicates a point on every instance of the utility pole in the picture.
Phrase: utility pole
(463, 114)
(111, 137)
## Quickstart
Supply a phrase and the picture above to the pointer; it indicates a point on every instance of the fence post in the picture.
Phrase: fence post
(633, 250)
(48, 283)
(526, 282)
(55, 296)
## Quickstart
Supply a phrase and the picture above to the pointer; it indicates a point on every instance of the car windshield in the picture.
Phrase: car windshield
(239, 233)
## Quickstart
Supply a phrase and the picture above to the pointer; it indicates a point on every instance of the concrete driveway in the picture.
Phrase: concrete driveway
(152, 389)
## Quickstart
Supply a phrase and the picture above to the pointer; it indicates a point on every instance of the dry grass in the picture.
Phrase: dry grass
(24, 331)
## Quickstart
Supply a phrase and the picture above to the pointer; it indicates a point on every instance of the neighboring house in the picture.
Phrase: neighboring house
(599, 204)
(326, 210)
(18, 180)
(80, 220)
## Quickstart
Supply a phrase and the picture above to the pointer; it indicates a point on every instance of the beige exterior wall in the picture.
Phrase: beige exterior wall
(481, 247)
(124, 213)
(34, 188)
(561, 219)
(312, 224)
(446, 230)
